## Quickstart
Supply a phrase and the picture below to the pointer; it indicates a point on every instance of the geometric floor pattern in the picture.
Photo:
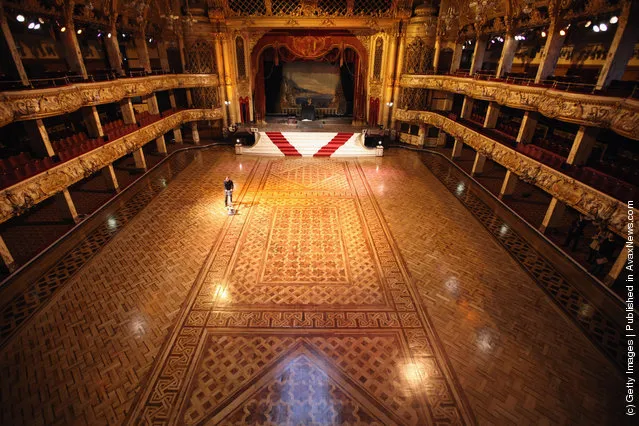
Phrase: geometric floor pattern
(308, 262)
(351, 292)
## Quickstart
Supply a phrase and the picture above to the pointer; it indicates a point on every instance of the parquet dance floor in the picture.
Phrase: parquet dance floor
(343, 292)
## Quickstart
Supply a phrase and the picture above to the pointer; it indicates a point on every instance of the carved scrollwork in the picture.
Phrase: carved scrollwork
(576, 194)
(32, 104)
(620, 115)
(18, 198)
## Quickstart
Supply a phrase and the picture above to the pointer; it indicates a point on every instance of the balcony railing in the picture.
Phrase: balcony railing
(33, 104)
(19, 197)
(619, 114)
(566, 189)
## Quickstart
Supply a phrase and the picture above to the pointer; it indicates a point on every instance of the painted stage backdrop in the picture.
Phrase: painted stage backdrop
(315, 81)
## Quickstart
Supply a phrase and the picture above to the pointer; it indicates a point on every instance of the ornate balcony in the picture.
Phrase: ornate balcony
(620, 115)
(15, 199)
(573, 193)
(32, 104)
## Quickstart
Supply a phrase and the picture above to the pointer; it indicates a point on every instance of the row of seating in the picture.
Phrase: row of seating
(542, 155)
(14, 161)
(13, 173)
(558, 146)
(125, 129)
(69, 141)
(510, 128)
(80, 149)
(607, 184)
(619, 168)
(145, 118)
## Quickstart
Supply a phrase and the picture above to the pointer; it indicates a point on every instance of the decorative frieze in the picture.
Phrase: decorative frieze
(17, 198)
(620, 115)
(572, 192)
(33, 104)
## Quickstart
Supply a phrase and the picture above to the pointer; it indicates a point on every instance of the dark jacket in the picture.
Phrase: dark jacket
(228, 185)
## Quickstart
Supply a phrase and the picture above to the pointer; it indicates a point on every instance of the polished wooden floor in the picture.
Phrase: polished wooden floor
(343, 292)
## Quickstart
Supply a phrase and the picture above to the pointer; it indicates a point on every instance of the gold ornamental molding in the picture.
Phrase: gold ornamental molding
(618, 114)
(18, 198)
(572, 192)
(41, 103)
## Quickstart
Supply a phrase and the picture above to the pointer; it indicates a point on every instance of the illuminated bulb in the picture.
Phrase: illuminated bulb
(595, 29)
(36, 27)
(150, 40)
(31, 25)
(588, 24)
(603, 27)
(63, 29)
(614, 20)
(109, 35)
(543, 33)
(40, 20)
(20, 18)
(79, 31)
(562, 33)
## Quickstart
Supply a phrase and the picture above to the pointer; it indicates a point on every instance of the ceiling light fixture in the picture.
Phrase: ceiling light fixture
(614, 20)
(588, 24)
(20, 18)
(40, 20)
(595, 28)
(562, 33)
(543, 33)
(603, 27)
(79, 31)
(36, 27)
(63, 29)
(31, 25)
(109, 35)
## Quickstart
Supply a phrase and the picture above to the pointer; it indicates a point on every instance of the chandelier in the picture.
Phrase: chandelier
(448, 19)
(483, 8)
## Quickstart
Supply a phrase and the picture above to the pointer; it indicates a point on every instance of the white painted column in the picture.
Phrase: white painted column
(457, 148)
(11, 44)
(6, 256)
(617, 267)
(113, 51)
(478, 54)
(509, 184)
(582, 145)
(492, 114)
(195, 133)
(507, 55)
(92, 121)
(622, 46)
(551, 51)
(39, 138)
(478, 164)
(457, 54)
(110, 178)
(128, 114)
(467, 107)
(143, 51)
(66, 205)
(554, 215)
(527, 127)
(140, 160)
(72, 50)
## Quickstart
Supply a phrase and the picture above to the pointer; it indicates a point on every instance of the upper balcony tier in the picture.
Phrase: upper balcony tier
(619, 114)
(41, 103)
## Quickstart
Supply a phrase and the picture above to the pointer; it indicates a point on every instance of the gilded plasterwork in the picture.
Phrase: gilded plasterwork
(32, 104)
(574, 193)
(16, 199)
(620, 115)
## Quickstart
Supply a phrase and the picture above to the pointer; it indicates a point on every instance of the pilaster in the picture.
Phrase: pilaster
(398, 70)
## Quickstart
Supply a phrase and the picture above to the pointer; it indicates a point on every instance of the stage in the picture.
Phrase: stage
(329, 124)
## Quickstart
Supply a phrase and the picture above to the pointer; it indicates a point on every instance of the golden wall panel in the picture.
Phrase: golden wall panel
(620, 115)
(574, 193)
(32, 104)
(17, 198)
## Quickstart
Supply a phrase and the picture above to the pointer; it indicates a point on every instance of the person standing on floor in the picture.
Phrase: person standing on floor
(575, 232)
(228, 191)
(597, 239)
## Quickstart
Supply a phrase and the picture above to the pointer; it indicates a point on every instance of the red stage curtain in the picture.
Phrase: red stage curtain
(373, 112)
(259, 94)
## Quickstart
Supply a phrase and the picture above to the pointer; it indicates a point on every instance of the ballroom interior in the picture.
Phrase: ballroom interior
(431, 220)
